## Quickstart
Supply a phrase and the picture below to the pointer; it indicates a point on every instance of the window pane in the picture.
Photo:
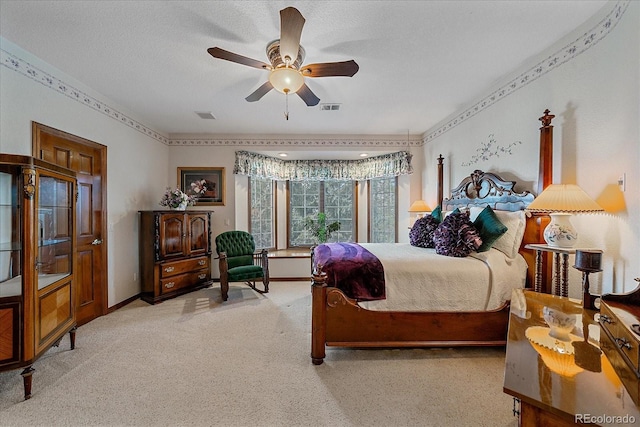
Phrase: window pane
(339, 204)
(382, 210)
(261, 211)
(334, 198)
(304, 200)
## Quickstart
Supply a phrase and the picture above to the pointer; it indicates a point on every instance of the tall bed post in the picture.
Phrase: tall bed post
(545, 178)
(538, 221)
(546, 152)
(440, 180)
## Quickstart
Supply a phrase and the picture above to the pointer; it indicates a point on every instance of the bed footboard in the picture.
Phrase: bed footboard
(339, 321)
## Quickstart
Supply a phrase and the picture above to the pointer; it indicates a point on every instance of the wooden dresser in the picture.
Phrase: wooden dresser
(620, 337)
(175, 253)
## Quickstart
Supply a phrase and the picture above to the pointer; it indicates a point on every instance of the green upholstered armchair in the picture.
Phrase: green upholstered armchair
(239, 261)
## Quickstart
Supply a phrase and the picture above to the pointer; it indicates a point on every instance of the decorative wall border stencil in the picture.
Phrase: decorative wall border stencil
(490, 149)
(284, 143)
(569, 51)
(34, 73)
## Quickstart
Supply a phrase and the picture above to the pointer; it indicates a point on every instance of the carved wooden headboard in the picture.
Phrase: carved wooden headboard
(487, 189)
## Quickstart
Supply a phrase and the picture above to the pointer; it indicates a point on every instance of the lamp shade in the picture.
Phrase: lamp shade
(286, 80)
(419, 206)
(560, 201)
(564, 198)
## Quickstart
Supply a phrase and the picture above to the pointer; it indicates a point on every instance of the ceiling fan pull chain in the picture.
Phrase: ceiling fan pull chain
(286, 105)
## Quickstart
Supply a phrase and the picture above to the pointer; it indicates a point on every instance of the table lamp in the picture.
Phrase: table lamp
(560, 201)
(419, 207)
(588, 261)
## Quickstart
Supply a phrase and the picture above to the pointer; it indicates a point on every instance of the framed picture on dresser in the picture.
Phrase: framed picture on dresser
(213, 179)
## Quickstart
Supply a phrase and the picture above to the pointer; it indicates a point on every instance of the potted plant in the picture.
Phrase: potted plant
(318, 227)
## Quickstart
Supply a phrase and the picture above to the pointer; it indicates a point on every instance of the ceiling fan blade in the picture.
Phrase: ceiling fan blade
(216, 52)
(260, 92)
(291, 23)
(330, 69)
(308, 96)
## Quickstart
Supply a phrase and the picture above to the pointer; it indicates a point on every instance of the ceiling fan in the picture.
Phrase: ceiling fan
(286, 72)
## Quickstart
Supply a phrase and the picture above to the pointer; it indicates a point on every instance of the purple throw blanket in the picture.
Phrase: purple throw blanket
(352, 269)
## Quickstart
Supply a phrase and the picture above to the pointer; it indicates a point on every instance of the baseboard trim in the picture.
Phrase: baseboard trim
(123, 303)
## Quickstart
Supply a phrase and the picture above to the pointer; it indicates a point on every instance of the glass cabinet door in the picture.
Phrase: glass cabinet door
(54, 257)
(10, 237)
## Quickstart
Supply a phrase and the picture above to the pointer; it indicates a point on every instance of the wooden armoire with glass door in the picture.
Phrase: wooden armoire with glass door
(37, 261)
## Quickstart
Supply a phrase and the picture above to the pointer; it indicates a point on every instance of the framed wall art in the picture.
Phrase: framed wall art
(211, 177)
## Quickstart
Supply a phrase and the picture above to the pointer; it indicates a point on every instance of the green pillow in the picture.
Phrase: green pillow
(437, 213)
(490, 228)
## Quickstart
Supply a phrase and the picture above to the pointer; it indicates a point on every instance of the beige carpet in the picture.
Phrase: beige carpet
(194, 361)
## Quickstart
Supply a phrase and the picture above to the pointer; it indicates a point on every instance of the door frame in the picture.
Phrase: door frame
(35, 148)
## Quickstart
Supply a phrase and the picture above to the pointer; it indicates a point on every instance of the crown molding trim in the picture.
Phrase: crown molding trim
(20, 65)
(568, 52)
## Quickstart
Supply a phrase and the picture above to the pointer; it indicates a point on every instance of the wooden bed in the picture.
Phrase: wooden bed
(339, 321)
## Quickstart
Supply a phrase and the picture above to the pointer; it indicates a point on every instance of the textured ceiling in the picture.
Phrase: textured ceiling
(420, 61)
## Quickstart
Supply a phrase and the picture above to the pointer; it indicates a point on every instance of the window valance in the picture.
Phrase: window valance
(258, 165)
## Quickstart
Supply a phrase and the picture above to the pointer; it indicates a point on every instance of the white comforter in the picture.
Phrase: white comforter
(418, 279)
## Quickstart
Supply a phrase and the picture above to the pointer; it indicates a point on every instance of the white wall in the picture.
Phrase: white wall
(136, 162)
(595, 96)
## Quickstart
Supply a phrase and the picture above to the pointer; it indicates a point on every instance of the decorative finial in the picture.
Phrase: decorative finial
(546, 119)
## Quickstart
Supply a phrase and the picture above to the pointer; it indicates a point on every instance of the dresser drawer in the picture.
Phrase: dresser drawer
(614, 323)
(608, 320)
(174, 283)
(174, 268)
(621, 366)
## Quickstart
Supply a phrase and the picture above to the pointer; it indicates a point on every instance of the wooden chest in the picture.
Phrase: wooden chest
(175, 253)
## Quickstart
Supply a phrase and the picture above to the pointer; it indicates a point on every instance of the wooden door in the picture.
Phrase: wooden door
(89, 160)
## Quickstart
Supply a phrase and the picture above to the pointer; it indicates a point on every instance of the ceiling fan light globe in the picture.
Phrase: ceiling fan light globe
(286, 80)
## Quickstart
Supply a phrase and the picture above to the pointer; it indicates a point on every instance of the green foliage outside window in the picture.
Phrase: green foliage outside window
(318, 227)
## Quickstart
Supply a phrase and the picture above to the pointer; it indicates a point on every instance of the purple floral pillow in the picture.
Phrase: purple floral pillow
(421, 233)
(456, 236)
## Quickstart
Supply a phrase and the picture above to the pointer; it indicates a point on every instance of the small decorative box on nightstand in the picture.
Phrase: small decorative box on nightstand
(620, 337)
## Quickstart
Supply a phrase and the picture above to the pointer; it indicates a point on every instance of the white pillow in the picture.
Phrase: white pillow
(509, 242)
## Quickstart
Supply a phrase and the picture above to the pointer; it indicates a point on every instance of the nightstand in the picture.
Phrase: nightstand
(560, 275)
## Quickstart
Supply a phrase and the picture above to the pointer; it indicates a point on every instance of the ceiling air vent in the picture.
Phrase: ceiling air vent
(329, 107)
(206, 115)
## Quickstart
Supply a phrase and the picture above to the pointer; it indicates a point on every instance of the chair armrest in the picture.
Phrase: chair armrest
(262, 259)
